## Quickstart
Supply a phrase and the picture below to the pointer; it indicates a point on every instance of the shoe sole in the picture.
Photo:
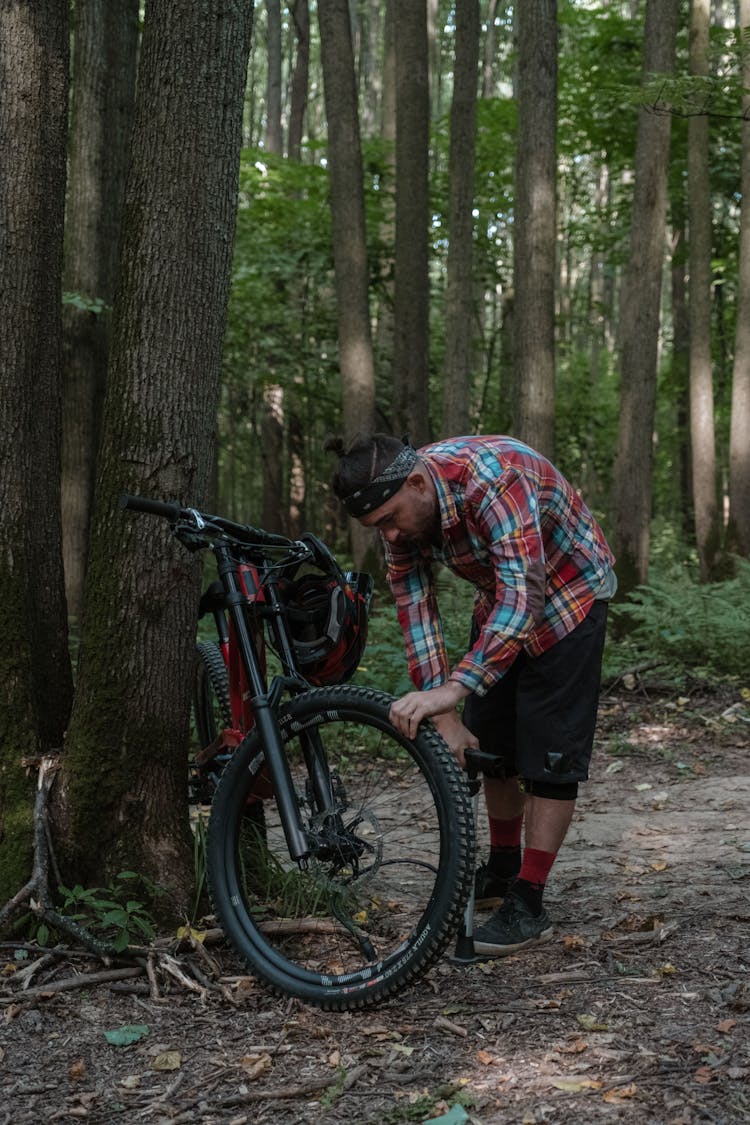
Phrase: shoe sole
(487, 949)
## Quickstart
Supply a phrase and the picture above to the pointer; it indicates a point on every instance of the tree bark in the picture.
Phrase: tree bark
(738, 532)
(349, 234)
(274, 138)
(702, 440)
(639, 312)
(35, 672)
(104, 66)
(412, 289)
(459, 312)
(300, 12)
(534, 237)
(123, 793)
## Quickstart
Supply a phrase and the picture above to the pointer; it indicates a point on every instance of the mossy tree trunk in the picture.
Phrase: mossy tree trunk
(35, 673)
(122, 801)
(105, 38)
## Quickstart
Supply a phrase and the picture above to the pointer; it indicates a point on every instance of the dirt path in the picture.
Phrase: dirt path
(638, 1010)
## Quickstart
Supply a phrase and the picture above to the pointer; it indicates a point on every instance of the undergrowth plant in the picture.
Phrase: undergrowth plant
(112, 911)
(691, 626)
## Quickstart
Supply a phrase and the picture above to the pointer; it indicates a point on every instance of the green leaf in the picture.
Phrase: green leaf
(456, 1115)
(128, 1033)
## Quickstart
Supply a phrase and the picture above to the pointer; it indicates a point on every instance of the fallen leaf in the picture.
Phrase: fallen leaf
(256, 1065)
(184, 933)
(573, 1048)
(77, 1071)
(167, 1060)
(456, 1115)
(575, 1085)
(725, 1025)
(620, 1093)
(128, 1033)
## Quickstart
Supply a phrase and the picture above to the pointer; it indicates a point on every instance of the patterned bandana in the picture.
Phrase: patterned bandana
(372, 495)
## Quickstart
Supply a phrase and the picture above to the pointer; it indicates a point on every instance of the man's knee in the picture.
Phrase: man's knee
(568, 791)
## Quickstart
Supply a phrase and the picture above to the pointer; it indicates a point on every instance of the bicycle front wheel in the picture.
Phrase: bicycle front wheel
(392, 853)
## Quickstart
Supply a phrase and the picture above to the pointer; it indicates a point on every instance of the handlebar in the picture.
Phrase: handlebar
(201, 522)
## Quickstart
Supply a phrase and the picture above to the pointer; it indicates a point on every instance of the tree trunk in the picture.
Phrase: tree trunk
(680, 370)
(124, 781)
(702, 440)
(639, 312)
(35, 672)
(534, 237)
(349, 234)
(300, 12)
(459, 313)
(274, 138)
(738, 532)
(104, 66)
(272, 443)
(412, 288)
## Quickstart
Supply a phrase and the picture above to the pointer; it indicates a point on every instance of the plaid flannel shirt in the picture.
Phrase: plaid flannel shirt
(515, 528)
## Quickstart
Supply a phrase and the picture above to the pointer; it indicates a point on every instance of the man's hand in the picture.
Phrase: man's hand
(439, 704)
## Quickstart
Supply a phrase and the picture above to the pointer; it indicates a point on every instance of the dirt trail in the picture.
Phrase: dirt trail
(638, 1009)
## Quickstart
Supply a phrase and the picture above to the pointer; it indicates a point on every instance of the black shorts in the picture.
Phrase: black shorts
(539, 719)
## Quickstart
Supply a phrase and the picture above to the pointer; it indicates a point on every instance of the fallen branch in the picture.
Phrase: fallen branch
(80, 980)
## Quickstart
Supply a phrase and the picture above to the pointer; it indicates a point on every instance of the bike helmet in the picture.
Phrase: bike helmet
(327, 618)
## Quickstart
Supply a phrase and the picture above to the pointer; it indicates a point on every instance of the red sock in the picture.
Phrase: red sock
(536, 865)
(505, 833)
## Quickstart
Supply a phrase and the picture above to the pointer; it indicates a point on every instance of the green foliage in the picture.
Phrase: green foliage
(94, 305)
(692, 626)
(111, 911)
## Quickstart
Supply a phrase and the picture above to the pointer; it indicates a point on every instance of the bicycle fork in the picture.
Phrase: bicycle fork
(264, 713)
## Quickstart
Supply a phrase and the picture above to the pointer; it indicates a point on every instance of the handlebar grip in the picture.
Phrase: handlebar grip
(162, 508)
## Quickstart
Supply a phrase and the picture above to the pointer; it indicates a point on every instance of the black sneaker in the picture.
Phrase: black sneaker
(512, 927)
(489, 889)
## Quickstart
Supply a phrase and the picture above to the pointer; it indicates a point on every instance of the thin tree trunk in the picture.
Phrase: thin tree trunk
(274, 137)
(104, 67)
(534, 237)
(300, 11)
(412, 290)
(459, 318)
(639, 312)
(349, 234)
(738, 532)
(702, 438)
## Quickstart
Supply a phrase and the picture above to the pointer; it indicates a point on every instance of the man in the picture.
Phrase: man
(504, 518)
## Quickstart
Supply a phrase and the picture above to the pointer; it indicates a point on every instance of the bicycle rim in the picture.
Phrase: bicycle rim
(391, 865)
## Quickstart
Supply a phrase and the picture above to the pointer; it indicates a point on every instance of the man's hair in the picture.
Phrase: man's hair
(365, 458)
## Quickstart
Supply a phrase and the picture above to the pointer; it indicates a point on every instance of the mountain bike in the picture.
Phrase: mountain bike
(340, 854)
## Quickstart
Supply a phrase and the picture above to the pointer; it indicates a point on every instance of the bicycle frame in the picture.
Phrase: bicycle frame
(253, 700)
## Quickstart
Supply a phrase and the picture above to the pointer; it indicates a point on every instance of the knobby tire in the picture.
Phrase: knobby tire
(391, 866)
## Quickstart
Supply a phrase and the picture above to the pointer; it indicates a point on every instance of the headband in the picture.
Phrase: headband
(371, 496)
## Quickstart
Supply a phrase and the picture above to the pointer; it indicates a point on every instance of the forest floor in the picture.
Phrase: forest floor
(638, 1010)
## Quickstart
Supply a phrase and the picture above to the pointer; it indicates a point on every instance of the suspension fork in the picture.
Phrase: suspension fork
(313, 750)
(263, 710)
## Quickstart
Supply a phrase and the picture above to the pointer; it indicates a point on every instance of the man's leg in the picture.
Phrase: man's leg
(556, 714)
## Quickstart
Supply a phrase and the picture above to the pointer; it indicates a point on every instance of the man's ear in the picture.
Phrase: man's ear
(416, 480)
